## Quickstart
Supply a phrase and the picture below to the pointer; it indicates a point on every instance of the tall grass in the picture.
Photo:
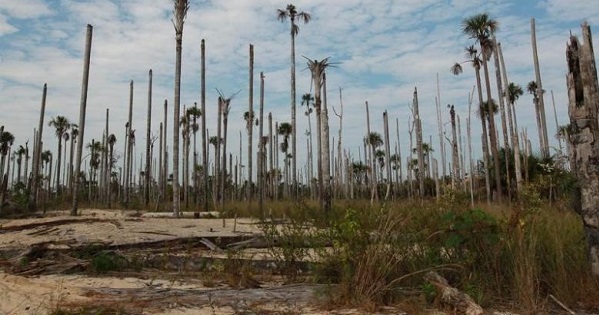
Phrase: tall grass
(520, 253)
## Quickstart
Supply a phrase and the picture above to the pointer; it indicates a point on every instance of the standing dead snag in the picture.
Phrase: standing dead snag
(583, 108)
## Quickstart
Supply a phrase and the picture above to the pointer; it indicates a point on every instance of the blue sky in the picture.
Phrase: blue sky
(384, 49)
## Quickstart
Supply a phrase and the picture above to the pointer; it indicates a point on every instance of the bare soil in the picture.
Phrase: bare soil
(45, 265)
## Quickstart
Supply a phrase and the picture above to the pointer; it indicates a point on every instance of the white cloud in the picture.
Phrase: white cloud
(384, 49)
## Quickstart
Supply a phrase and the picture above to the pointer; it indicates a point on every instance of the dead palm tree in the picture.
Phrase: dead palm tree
(514, 92)
(225, 105)
(111, 142)
(83, 105)
(294, 15)
(7, 139)
(286, 130)
(61, 125)
(19, 155)
(473, 57)
(533, 89)
(179, 12)
(308, 101)
(317, 69)
(481, 28)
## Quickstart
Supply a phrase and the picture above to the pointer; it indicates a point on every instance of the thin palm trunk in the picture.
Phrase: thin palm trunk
(325, 150)
(419, 145)
(484, 136)
(38, 152)
(147, 179)
(387, 153)
(500, 92)
(492, 129)
(204, 139)
(180, 11)
(262, 147)
(127, 146)
(540, 99)
(82, 108)
(250, 125)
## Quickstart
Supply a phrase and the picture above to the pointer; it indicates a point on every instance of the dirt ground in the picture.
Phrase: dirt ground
(39, 273)
(46, 287)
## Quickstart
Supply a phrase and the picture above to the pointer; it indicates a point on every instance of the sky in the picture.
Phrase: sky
(382, 50)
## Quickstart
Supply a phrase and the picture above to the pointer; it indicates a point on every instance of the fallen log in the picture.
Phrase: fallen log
(47, 224)
(450, 296)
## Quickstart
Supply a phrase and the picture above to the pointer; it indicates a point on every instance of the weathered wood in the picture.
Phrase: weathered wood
(583, 108)
(47, 224)
(450, 296)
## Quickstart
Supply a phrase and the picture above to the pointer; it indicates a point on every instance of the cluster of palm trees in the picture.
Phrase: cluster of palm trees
(379, 174)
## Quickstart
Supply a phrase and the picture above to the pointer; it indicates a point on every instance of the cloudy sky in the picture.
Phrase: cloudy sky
(383, 49)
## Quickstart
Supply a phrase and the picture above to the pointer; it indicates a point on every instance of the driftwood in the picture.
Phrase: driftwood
(210, 245)
(450, 296)
(48, 224)
(168, 215)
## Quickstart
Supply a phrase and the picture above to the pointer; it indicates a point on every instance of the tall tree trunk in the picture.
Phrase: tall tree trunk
(176, 131)
(583, 95)
(58, 160)
(326, 162)
(340, 142)
(540, 92)
(107, 160)
(511, 112)
(419, 146)
(454, 150)
(440, 127)
(271, 159)
(485, 137)
(501, 93)
(262, 145)
(374, 193)
(204, 136)
(387, 153)
(38, 152)
(492, 129)
(129, 128)
(250, 126)
(83, 105)
(164, 153)
(293, 112)
(148, 143)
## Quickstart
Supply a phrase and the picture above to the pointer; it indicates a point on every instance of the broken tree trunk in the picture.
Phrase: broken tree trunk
(450, 296)
(583, 108)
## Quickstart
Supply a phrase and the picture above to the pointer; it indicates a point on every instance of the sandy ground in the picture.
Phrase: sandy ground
(43, 293)
(162, 294)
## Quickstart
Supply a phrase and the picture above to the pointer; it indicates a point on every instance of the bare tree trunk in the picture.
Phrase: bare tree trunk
(148, 142)
(485, 137)
(559, 139)
(271, 154)
(261, 155)
(387, 153)
(540, 91)
(454, 150)
(83, 105)
(38, 151)
(128, 144)
(204, 136)
(326, 162)
(419, 146)
(492, 128)
(583, 95)
(373, 194)
(107, 162)
(250, 126)
(501, 93)
(440, 127)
